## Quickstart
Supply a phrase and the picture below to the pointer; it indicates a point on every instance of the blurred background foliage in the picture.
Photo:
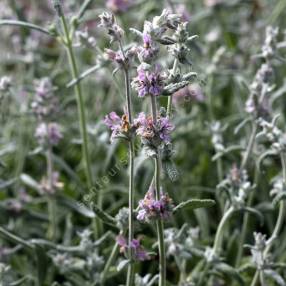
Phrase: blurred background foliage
(230, 33)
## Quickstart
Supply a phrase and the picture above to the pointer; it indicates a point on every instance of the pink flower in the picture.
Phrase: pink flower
(155, 133)
(148, 82)
(139, 253)
(149, 50)
(150, 208)
(117, 125)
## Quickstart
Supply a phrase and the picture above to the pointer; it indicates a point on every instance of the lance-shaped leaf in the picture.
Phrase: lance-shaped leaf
(194, 204)
(25, 25)
(173, 87)
(166, 40)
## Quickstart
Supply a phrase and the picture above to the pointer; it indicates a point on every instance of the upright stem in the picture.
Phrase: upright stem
(220, 230)
(255, 279)
(109, 263)
(218, 240)
(279, 222)
(249, 146)
(169, 106)
(130, 272)
(81, 114)
(80, 101)
(251, 197)
(160, 228)
(52, 230)
(159, 222)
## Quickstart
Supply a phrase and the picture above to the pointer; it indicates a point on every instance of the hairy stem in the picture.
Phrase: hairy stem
(130, 272)
(160, 228)
(16, 239)
(80, 101)
(169, 106)
(279, 222)
(52, 230)
(203, 274)
(81, 113)
(218, 240)
(251, 197)
(249, 148)
(159, 222)
(220, 230)
(108, 264)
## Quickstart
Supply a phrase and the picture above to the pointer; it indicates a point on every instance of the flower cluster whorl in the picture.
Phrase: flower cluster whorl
(149, 80)
(152, 209)
(151, 133)
(139, 253)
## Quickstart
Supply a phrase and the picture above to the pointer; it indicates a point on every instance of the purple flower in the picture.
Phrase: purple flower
(155, 134)
(117, 125)
(114, 56)
(152, 209)
(148, 82)
(139, 254)
(149, 50)
(48, 133)
(164, 128)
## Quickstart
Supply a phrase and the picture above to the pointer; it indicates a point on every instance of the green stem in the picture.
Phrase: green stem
(279, 222)
(255, 279)
(203, 274)
(220, 230)
(81, 112)
(160, 228)
(169, 106)
(159, 222)
(249, 146)
(14, 238)
(109, 263)
(52, 230)
(130, 272)
(251, 197)
(218, 239)
(262, 280)
(80, 101)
